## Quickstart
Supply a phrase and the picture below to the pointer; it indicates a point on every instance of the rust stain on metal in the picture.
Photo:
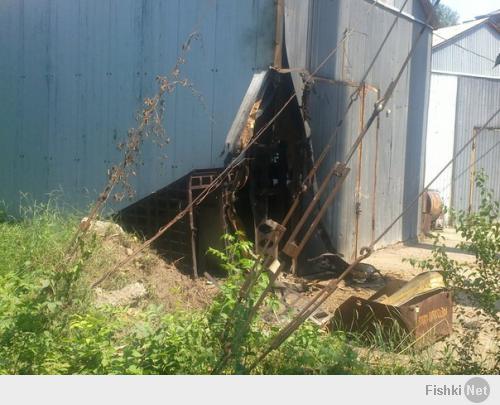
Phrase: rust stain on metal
(292, 247)
(472, 174)
(357, 196)
(248, 130)
(375, 177)
(425, 318)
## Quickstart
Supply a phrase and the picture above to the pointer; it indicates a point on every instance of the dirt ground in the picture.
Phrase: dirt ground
(389, 261)
(150, 279)
(147, 279)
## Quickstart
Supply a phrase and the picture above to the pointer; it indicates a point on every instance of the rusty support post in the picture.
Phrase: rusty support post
(336, 170)
(472, 173)
(291, 248)
(359, 172)
(198, 182)
(323, 209)
(192, 227)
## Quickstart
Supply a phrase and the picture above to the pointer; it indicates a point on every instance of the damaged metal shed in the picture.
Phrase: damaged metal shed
(72, 73)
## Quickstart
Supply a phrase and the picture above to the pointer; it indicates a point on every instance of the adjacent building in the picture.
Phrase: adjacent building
(465, 93)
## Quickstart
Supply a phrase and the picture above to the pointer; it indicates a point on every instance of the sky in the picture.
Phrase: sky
(468, 9)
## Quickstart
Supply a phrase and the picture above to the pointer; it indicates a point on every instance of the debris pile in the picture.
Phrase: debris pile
(147, 279)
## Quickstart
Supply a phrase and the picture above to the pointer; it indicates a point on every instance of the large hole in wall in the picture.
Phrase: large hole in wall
(261, 188)
(146, 216)
(276, 164)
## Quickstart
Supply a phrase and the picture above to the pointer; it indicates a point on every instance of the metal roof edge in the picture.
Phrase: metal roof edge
(403, 14)
(450, 73)
(459, 35)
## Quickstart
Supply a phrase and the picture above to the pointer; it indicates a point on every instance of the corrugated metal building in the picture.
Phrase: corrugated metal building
(72, 73)
(388, 171)
(465, 92)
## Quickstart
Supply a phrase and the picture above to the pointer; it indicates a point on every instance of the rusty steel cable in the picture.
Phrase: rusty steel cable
(353, 97)
(222, 176)
(328, 290)
(316, 301)
(463, 48)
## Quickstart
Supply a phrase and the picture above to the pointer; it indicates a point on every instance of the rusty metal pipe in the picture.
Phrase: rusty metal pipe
(314, 202)
(323, 209)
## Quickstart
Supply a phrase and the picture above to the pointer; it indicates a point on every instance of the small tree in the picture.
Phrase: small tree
(446, 16)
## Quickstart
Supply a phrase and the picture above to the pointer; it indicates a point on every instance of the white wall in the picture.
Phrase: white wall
(440, 132)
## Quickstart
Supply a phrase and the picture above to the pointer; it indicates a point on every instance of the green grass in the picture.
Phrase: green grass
(50, 325)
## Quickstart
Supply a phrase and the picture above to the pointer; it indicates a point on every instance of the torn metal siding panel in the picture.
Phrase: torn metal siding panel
(255, 91)
(77, 72)
(400, 142)
(452, 58)
(477, 100)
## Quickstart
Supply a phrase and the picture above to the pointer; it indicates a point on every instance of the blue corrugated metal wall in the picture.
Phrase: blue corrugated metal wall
(392, 164)
(73, 73)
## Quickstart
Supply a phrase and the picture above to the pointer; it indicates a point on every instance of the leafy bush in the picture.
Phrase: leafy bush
(50, 325)
(477, 283)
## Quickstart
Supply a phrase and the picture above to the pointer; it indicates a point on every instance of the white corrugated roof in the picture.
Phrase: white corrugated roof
(444, 34)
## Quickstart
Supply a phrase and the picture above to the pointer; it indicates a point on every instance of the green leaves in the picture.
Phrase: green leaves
(478, 281)
(50, 325)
